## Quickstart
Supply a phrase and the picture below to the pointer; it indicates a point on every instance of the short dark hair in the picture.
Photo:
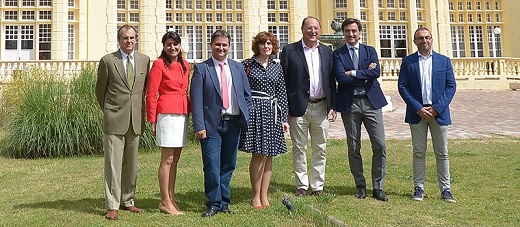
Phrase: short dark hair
(125, 26)
(309, 17)
(421, 29)
(351, 21)
(220, 33)
(263, 37)
(175, 36)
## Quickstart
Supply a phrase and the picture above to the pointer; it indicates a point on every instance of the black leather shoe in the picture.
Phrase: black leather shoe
(209, 212)
(226, 210)
(379, 195)
(361, 192)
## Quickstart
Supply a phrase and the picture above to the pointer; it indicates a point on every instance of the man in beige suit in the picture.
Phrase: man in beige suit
(120, 91)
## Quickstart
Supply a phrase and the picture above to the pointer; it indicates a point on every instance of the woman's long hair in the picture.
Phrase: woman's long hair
(173, 35)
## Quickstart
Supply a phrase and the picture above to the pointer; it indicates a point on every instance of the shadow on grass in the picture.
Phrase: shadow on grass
(87, 205)
(339, 190)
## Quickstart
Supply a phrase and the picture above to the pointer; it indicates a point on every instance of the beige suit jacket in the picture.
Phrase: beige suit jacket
(122, 106)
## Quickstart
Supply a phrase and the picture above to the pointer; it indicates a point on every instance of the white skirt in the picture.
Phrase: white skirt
(171, 130)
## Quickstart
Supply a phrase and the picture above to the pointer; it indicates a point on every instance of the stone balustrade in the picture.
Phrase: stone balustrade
(470, 73)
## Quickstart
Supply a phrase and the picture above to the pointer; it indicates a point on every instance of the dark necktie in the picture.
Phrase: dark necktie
(354, 56)
(130, 72)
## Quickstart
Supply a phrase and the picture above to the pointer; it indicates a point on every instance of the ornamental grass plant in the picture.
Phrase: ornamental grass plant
(47, 115)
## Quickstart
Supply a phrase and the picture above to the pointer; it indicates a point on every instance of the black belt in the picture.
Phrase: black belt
(427, 105)
(317, 100)
(228, 117)
(360, 96)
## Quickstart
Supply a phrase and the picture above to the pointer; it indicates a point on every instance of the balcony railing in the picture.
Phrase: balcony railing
(472, 73)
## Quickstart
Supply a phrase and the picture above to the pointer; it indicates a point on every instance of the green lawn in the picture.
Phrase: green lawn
(70, 191)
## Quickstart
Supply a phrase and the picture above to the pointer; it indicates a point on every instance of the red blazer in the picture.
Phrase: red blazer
(167, 90)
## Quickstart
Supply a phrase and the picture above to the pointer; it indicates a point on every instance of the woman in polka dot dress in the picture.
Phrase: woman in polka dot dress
(268, 118)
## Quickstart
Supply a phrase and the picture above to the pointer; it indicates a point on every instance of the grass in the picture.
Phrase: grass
(70, 191)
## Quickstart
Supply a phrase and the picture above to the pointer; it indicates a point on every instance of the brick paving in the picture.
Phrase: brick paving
(474, 113)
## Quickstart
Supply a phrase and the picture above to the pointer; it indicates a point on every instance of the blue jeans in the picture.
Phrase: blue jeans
(219, 155)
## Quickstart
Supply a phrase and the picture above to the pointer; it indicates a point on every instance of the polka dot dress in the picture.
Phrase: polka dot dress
(265, 135)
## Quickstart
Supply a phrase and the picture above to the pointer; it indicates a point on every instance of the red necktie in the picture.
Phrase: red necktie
(223, 86)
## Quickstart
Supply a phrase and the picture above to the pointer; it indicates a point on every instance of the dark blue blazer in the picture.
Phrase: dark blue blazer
(206, 99)
(443, 87)
(364, 77)
(297, 80)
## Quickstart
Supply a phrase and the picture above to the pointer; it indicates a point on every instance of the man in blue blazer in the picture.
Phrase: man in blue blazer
(311, 93)
(427, 85)
(360, 100)
(220, 104)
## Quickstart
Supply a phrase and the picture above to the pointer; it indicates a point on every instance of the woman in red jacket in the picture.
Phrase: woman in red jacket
(167, 108)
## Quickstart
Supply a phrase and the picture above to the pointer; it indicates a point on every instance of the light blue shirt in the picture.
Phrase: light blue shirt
(425, 65)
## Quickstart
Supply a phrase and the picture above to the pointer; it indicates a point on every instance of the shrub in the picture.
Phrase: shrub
(45, 115)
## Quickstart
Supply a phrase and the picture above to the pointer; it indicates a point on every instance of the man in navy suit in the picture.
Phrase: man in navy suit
(311, 93)
(427, 86)
(220, 104)
(360, 100)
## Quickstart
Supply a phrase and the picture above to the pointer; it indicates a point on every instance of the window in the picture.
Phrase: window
(189, 4)
(476, 41)
(209, 4)
(168, 4)
(28, 3)
(11, 37)
(198, 17)
(393, 41)
(178, 16)
(121, 4)
(461, 17)
(121, 17)
(284, 5)
(194, 34)
(341, 3)
(390, 4)
(381, 16)
(284, 17)
(238, 4)
(452, 17)
(71, 16)
(198, 4)
(28, 15)
(459, 6)
(229, 16)
(134, 17)
(391, 16)
(469, 6)
(488, 17)
(71, 41)
(134, 4)
(46, 15)
(282, 34)
(229, 4)
(457, 41)
(497, 5)
(420, 16)
(209, 16)
(402, 16)
(169, 17)
(189, 17)
(219, 16)
(402, 4)
(219, 5)
(239, 17)
(44, 39)
(178, 4)
(494, 42)
(497, 17)
(418, 4)
(488, 6)
(271, 17)
(380, 3)
(479, 5)
(363, 16)
(341, 14)
(451, 7)
(271, 4)
(72, 3)
(470, 17)
(45, 2)
(11, 3)
(363, 3)
(11, 15)
(479, 17)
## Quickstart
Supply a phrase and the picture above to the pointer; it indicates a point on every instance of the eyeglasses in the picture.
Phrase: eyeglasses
(427, 38)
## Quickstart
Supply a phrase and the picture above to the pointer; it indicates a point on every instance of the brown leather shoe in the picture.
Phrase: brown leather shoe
(318, 192)
(133, 209)
(111, 215)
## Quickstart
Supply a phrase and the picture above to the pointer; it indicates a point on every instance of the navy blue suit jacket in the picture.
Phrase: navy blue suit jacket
(297, 80)
(443, 87)
(206, 99)
(364, 77)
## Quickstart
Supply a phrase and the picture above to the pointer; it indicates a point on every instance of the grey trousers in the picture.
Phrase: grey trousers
(439, 135)
(362, 112)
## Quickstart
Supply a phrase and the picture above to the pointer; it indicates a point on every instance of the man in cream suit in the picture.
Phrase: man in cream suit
(120, 91)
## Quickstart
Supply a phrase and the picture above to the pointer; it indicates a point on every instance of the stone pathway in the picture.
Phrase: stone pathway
(475, 114)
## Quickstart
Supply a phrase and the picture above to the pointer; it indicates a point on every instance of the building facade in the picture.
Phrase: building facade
(87, 29)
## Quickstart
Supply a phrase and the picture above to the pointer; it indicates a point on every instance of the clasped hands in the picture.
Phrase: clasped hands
(427, 113)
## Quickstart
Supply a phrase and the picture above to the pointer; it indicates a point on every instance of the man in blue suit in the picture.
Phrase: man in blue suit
(427, 86)
(220, 104)
(360, 100)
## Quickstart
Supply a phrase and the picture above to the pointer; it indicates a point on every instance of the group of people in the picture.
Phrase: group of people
(249, 106)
